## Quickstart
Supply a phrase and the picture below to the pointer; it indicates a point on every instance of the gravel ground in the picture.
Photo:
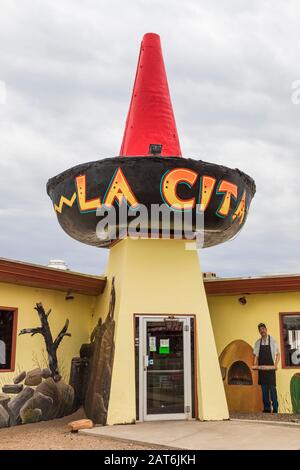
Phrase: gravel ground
(284, 417)
(54, 435)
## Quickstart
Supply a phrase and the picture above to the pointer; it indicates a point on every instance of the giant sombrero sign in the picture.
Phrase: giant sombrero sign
(223, 196)
(149, 176)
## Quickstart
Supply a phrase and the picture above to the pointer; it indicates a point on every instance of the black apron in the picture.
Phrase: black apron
(266, 377)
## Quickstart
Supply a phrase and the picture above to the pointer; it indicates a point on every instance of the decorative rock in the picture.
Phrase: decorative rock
(31, 415)
(80, 424)
(4, 399)
(62, 395)
(49, 388)
(66, 399)
(20, 377)
(16, 403)
(33, 377)
(4, 417)
(46, 373)
(13, 388)
(38, 401)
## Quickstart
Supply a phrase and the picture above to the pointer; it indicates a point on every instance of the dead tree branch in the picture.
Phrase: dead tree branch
(45, 331)
(32, 331)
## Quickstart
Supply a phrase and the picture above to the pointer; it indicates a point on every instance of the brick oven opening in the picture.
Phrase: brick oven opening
(239, 374)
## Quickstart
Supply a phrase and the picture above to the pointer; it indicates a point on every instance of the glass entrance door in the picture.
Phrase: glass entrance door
(165, 366)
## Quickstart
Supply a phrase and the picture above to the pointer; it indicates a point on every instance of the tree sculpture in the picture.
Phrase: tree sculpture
(51, 346)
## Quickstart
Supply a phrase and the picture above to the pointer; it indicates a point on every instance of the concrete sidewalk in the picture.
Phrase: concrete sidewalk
(196, 435)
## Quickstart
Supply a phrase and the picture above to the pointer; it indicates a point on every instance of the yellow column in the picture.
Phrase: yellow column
(160, 277)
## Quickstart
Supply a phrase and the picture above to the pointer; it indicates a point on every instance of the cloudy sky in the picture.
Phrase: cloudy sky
(68, 67)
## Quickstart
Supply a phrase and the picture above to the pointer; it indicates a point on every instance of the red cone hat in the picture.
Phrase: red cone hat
(150, 125)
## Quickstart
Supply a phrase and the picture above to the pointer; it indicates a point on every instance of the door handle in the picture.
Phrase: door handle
(146, 362)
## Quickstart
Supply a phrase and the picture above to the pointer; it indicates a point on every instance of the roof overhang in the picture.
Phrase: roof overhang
(253, 285)
(32, 275)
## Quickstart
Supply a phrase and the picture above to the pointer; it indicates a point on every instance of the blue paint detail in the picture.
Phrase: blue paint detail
(108, 187)
(186, 183)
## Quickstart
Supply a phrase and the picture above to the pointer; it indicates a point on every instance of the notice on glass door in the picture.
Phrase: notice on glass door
(152, 343)
(164, 346)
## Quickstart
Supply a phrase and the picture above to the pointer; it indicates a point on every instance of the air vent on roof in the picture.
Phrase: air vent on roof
(58, 264)
(209, 275)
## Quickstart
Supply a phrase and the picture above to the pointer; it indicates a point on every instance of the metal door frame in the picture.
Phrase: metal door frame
(143, 416)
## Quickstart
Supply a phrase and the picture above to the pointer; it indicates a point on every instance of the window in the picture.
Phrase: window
(290, 339)
(8, 326)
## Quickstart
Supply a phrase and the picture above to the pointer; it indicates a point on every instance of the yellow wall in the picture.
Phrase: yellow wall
(30, 350)
(158, 277)
(232, 321)
(151, 276)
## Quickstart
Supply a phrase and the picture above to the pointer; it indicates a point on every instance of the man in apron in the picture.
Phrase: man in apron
(266, 353)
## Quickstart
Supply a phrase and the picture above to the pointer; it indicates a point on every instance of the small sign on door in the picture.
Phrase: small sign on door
(152, 343)
(164, 346)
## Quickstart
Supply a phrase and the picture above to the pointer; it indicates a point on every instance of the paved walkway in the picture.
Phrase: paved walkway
(198, 435)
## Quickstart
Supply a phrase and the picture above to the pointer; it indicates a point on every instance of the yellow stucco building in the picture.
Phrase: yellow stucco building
(234, 308)
(22, 285)
(237, 306)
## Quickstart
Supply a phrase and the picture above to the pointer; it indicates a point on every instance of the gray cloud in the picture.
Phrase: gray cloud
(69, 68)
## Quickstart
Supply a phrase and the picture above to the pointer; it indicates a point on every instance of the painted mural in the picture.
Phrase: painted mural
(38, 394)
(51, 345)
